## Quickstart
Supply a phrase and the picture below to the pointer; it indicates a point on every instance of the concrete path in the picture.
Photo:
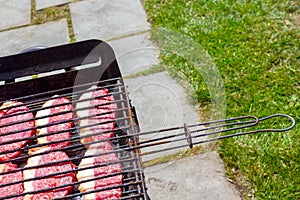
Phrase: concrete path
(108, 19)
(160, 101)
(135, 53)
(201, 177)
(42, 4)
(48, 34)
(14, 13)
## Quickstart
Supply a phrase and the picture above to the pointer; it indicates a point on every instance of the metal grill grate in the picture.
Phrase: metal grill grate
(133, 183)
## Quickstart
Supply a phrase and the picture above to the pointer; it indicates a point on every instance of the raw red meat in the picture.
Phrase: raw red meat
(5, 111)
(9, 178)
(53, 181)
(97, 172)
(55, 119)
(106, 115)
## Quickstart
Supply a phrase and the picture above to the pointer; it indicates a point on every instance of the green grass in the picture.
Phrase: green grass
(256, 47)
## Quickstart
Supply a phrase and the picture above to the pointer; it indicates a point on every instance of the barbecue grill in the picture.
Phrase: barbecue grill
(79, 66)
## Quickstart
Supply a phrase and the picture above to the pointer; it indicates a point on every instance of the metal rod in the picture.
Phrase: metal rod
(176, 137)
(47, 93)
(59, 113)
(164, 140)
(250, 123)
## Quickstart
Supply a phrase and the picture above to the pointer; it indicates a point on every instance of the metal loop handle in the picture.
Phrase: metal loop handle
(278, 130)
(293, 123)
(213, 128)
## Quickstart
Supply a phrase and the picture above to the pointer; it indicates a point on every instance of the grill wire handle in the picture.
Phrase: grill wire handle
(217, 124)
(258, 120)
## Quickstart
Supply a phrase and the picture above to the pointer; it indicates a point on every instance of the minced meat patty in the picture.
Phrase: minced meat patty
(111, 165)
(10, 178)
(39, 172)
(14, 112)
(60, 119)
(97, 113)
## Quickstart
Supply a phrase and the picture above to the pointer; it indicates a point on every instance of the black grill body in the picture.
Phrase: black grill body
(78, 66)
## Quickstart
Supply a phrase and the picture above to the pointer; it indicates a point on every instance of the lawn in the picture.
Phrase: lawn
(255, 46)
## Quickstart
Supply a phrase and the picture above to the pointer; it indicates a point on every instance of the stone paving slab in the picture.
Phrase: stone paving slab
(199, 177)
(41, 4)
(48, 34)
(135, 53)
(14, 13)
(160, 103)
(107, 19)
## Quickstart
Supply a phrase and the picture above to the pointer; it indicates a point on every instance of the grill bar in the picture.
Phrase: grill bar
(55, 123)
(126, 184)
(74, 183)
(108, 188)
(57, 105)
(121, 160)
